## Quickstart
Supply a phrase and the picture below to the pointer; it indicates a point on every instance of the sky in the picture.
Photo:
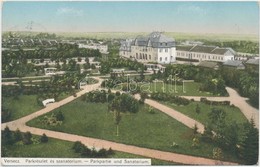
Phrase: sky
(100, 16)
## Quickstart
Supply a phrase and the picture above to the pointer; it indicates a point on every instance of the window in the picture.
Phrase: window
(160, 50)
(145, 56)
(161, 44)
(166, 50)
(165, 58)
(150, 57)
(165, 44)
(136, 56)
(160, 58)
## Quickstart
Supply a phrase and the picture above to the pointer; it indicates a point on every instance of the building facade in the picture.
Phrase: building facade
(156, 47)
(204, 53)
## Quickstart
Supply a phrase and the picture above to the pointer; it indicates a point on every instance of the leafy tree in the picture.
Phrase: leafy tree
(5, 113)
(78, 147)
(197, 109)
(44, 138)
(250, 145)
(27, 138)
(59, 116)
(195, 129)
(117, 121)
(7, 137)
(18, 135)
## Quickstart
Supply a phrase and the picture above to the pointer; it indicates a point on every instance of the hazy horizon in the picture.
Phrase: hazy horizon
(240, 18)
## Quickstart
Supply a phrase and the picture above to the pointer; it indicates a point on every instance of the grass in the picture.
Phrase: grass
(190, 88)
(55, 148)
(156, 131)
(233, 113)
(24, 105)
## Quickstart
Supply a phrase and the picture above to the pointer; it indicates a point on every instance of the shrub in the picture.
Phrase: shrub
(18, 135)
(59, 116)
(44, 138)
(27, 138)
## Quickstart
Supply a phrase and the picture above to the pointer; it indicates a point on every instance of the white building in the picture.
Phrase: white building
(155, 47)
(204, 53)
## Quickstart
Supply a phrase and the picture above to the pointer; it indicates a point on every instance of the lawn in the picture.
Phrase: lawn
(61, 149)
(24, 105)
(156, 131)
(233, 113)
(190, 88)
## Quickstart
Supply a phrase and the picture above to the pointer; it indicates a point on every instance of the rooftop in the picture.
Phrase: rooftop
(208, 64)
(233, 63)
(253, 61)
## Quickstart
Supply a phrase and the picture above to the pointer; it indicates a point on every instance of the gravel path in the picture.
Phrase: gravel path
(238, 101)
(98, 143)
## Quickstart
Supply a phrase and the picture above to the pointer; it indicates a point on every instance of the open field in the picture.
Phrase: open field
(176, 35)
(157, 131)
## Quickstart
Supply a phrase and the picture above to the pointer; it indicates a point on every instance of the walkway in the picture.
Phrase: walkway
(98, 143)
(189, 122)
(238, 101)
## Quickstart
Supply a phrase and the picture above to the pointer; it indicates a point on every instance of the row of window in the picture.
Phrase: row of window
(165, 59)
(198, 56)
(143, 56)
(165, 50)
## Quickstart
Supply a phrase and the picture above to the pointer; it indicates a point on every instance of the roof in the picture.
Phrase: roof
(233, 63)
(205, 49)
(184, 47)
(253, 61)
(220, 51)
(126, 45)
(155, 39)
(208, 64)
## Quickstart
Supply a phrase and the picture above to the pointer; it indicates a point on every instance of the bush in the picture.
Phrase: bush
(27, 138)
(18, 135)
(59, 116)
(84, 151)
(44, 138)
(171, 98)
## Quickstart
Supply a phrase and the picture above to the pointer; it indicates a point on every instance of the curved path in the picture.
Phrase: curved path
(189, 122)
(235, 99)
(98, 143)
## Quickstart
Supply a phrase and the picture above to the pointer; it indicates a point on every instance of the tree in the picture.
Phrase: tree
(78, 147)
(117, 121)
(44, 138)
(250, 145)
(7, 137)
(143, 97)
(195, 129)
(27, 138)
(197, 109)
(18, 135)
(59, 116)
